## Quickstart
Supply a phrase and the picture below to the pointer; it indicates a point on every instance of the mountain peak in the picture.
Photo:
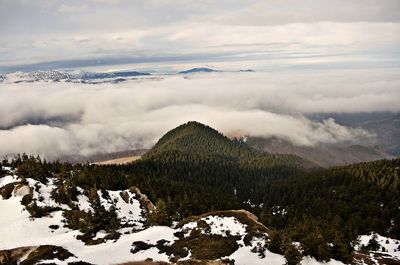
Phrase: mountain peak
(193, 137)
(195, 126)
(194, 140)
(198, 70)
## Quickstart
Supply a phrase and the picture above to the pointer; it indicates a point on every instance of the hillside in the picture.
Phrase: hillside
(324, 155)
(336, 204)
(200, 140)
(52, 221)
(199, 154)
(385, 126)
(388, 131)
(40, 227)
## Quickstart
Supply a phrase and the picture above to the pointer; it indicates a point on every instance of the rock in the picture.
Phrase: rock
(22, 190)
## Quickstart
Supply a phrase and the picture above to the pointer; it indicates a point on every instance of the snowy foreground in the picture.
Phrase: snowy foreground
(17, 229)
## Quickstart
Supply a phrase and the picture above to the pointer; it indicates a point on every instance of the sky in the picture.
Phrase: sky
(310, 57)
(47, 34)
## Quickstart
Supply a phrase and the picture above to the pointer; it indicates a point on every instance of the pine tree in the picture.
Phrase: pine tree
(159, 216)
(292, 255)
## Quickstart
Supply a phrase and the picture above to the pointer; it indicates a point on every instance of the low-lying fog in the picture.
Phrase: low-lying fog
(56, 119)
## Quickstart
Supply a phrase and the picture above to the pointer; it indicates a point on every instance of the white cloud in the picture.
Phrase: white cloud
(56, 30)
(86, 119)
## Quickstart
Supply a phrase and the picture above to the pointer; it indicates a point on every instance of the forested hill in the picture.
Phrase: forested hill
(198, 154)
(194, 137)
(198, 141)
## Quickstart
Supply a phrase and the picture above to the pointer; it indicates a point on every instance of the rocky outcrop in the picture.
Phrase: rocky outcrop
(143, 199)
(22, 190)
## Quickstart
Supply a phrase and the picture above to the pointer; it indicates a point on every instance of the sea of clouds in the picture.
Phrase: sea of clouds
(55, 119)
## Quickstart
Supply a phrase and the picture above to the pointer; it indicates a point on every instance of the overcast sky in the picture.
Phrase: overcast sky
(43, 34)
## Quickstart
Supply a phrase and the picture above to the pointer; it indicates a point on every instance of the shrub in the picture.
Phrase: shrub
(139, 246)
(159, 216)
(36, 211)
(6, 191)
(46, 252)
(292, 255)
(27, 199)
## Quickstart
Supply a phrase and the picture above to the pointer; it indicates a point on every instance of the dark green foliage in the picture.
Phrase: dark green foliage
(202, 246)
(33, 167)
(198, 154)
(195, 169)
(276, 244)
(316, 246)
(113, 235)
(159, 216)
(373, 243)
(139, 246)
(27, 199)
(54, 227)
(89, 223)
(292, 255)
(66, 190)
(335, 206)
(6, 191)
(46, 252)
(2, 172)
(79, 263)
(36, 211)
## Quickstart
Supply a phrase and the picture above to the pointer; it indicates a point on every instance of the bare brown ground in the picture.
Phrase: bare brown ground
(119, 161)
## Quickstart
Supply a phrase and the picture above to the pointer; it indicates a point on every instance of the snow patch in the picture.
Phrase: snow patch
(390, 245)
(225, 226)
(7, 180)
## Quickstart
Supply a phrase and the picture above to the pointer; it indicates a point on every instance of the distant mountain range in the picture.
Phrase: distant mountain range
(70, 76)
(210, 70)
(198, 70)
(384, 125)
(90, 77)
(324, 155)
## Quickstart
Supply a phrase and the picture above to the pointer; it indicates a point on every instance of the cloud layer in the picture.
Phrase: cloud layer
(56, 119)
(95, 32)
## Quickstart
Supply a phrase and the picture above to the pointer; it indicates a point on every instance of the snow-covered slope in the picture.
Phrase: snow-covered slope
(229, 236)
(382, 250)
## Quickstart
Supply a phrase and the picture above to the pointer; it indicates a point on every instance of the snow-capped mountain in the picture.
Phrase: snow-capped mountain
(51, 75)
(210, 70)
(70, 76)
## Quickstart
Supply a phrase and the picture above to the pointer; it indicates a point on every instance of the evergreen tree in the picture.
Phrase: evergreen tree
(159, 216)
(292, 255)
